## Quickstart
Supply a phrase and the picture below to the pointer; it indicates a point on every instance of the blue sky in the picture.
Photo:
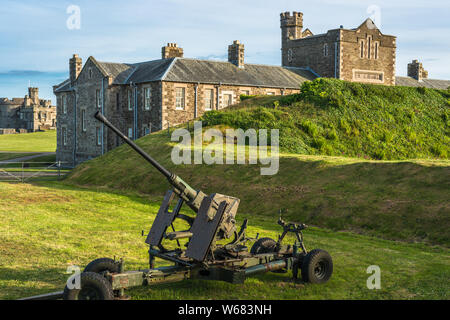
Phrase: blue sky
(35, 43)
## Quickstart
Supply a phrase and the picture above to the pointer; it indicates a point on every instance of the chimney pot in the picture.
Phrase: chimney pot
(171, 51)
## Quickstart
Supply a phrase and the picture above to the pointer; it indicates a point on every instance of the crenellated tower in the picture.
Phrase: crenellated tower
(291, 26)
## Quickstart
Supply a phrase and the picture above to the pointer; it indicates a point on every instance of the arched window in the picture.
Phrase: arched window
(376, 50)
(369, 46)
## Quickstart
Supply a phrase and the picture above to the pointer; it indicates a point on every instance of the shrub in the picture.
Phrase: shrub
(246, 97)
(309, 127)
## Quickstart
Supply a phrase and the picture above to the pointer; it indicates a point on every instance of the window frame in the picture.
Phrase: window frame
(377, 50)
(325, 50)
(130, 133)
(361, 49)
(209, 96)
(147, 99)
(130, 100)
(98, 132)
(180, 104)
(64, 103)
(98, 99)
(64, 136)
(83, 120)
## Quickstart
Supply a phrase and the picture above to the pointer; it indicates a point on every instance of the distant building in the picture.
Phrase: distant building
(27, 114)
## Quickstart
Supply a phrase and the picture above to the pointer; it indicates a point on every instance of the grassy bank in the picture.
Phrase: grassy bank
(47, 227)
(339, 118)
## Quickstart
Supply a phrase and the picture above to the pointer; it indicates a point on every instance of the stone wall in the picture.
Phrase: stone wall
(64, 153)
(173, 116)
(9, 116)
(316, 52)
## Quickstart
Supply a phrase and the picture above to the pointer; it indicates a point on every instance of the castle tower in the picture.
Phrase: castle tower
(416, 70)
(75, 65)
(291, 26)
(171, 51)
(236, 54)
(33, 94)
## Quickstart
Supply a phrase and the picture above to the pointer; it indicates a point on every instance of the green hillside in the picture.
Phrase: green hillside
(334, 117)
(29, 142)
(402, 200)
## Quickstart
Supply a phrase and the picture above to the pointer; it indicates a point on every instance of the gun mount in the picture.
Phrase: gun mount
(205, 256)
(215, 213)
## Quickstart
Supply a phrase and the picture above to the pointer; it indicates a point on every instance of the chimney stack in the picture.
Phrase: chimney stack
(236, 54)
(75, 65)
(172, 51)
(416, 70)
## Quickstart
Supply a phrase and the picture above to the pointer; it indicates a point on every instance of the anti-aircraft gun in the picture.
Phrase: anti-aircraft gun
(206, 256)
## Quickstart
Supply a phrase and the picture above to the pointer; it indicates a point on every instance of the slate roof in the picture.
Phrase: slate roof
(63, 86)
(201, 71)
(428, 83)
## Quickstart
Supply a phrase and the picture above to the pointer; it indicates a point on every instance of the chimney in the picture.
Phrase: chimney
(236, 54)
(75, 65)
(33, 95)
(416, 70)
(172, 51)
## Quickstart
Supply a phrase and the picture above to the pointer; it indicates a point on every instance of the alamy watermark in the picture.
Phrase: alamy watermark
(73, 22)
(74, 281)
(257, 148)
(374, 281)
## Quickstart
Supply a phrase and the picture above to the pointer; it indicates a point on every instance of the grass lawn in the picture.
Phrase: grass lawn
(29, 142)
(49, 226)
(12, 155)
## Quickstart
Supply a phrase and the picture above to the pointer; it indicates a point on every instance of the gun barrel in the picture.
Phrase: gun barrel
(100, 117)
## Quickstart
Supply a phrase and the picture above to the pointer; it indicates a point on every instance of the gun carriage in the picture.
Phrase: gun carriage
(213, 248)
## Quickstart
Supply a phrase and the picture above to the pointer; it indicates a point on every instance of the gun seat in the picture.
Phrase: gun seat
(178, 235)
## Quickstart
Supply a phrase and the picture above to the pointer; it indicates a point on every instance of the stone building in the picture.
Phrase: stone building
(145, 97)
(27, 114)
(362, 54)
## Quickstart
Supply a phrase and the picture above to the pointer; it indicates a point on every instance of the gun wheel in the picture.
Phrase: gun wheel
(93, 286)
(102, 265)
(317, 266)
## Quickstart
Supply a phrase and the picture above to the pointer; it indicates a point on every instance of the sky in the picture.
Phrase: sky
(37, 38)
